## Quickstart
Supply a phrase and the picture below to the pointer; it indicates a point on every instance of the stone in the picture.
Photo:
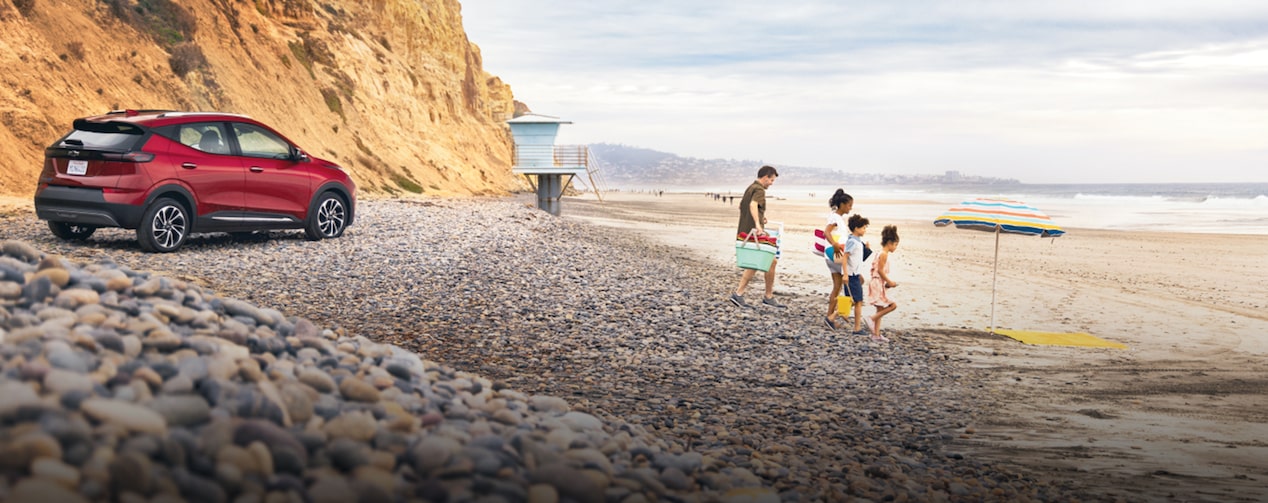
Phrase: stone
(10, 290)
(359, 426)
(109, 340)
(263, 457)
(126, 415)
(591, 458)
(433, 452)
(297, 401)
(18, 454)
(333, 489)
(240, 459)
(675, 479)
(131, 471)
(542, 493)
(183, 410)
(305, 329)
(570, 483)
(37, 290)
(582, 422)
(54, 469)
(131, 346)
(58, 276)
(549, 404)
(283, 446)
(347, 455)
(751, 495)
(21, 251)
(16, 395)
(316, 379)
(357, 390)
(69, 359)
(197, 489)
(179, 385)
(63, 381)
(37, 489)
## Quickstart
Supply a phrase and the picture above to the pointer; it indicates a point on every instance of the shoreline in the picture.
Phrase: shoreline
(1181, 407)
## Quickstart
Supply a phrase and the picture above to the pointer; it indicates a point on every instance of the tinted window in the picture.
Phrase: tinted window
(256, 141)
(103, 136)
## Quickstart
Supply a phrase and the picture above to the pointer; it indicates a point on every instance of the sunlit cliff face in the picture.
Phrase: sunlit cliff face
(391, 90)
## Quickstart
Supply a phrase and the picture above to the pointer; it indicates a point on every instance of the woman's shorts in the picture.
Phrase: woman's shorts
(833, 266)
(856, 288)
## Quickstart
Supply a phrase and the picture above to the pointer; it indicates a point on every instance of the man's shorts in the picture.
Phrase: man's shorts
(856, 288)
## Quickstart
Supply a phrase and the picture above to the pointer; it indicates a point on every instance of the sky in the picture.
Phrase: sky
(1070, 91)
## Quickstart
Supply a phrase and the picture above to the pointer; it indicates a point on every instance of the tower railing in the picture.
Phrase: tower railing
(562, 157)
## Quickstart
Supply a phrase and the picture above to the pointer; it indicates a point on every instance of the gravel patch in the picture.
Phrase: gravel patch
(456, 350)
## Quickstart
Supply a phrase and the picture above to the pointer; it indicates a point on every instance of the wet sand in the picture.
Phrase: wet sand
(1182, 413)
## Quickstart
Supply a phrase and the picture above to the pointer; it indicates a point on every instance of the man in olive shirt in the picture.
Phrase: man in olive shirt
(753, 217)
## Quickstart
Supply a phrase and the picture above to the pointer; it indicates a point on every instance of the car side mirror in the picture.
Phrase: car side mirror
(300, 156)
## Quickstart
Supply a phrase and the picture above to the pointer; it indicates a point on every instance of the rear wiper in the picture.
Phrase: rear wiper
(73, 141)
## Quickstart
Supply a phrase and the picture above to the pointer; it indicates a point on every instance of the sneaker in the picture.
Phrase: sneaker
(771, 302)
(738, 301)
(862, 331)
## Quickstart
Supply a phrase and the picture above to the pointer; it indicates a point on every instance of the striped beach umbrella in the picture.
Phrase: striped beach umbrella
(999, 216)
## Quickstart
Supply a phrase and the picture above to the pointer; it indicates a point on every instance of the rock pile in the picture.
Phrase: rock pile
(127, 387)
(581, 363)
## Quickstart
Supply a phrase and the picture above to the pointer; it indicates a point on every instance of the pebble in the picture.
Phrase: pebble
(126, 415)
(181, 410)
(357, 390)
(317, 380)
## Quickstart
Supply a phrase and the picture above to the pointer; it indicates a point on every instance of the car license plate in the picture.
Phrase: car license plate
(77, 168)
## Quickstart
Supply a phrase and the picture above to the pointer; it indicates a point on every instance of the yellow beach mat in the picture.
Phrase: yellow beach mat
(1059, 339)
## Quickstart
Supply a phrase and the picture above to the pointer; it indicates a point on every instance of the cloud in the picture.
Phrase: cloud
(913, 86)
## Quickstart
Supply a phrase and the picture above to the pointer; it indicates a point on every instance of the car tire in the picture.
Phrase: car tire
(70, 231)
(164, 226)
(328, 217)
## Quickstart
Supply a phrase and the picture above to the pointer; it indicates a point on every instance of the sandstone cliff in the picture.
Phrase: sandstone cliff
(390, 89)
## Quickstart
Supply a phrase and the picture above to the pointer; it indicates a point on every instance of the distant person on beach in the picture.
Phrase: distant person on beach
(877, 292)
(841, 204)
(853, 267)
(753, 220)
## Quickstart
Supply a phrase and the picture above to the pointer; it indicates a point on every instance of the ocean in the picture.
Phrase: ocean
(1219, 208)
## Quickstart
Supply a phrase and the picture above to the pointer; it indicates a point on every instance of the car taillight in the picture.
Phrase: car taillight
(129, 157)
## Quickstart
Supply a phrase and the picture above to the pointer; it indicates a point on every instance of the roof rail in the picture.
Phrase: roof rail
(174, 113)
(131, 112)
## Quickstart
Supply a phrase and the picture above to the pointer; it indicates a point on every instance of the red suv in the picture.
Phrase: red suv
(170, 174)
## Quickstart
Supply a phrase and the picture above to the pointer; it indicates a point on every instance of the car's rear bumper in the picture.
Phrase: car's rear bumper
(84, 205)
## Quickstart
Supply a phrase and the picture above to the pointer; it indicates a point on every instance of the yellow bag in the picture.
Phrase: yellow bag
(845, 305)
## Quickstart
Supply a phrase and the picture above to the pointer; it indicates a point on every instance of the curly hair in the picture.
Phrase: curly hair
(889, 235)
(857, 221)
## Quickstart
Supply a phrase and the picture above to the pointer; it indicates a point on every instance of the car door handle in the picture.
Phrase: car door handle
(257, 169)
(189, 165)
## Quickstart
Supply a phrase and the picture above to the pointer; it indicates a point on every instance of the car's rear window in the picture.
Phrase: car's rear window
(116, 136)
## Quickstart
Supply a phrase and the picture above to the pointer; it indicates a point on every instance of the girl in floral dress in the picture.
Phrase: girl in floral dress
(878, 286)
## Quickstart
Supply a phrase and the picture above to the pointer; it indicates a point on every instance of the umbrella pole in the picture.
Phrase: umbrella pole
(994, 274)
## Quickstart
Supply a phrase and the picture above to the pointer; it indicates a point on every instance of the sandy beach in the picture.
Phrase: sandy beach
(771, 397)
(1182, 413)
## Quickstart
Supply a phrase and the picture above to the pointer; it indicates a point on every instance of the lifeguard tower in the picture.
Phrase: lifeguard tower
(537, 155)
